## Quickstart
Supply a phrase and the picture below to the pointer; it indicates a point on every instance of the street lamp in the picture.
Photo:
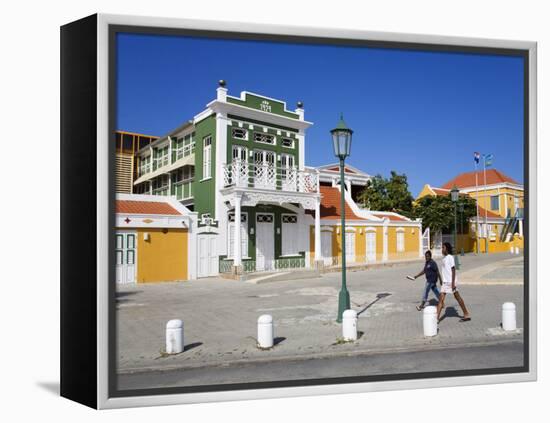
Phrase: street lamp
(461, 211)
(454, 199)
(341, 143)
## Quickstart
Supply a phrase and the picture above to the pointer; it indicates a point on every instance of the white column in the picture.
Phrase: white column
(237, 261)
(301, 139)
(317, 229)
(219, 161)
(221, 94)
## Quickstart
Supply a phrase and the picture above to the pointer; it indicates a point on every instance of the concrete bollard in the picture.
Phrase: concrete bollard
(349, 325)
(265, 331)
(174, 337)
(509, 316)
(430, 321)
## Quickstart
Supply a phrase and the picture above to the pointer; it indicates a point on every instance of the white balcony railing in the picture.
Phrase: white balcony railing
(166, 159)
(184, 151)
(144, 168)
(267, 176)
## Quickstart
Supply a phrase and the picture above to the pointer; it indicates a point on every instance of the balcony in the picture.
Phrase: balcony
(183, 151)
(242, 174)
(182, 189)
(177, 158)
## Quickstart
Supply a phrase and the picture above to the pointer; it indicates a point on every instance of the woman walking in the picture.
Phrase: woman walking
(449, 282)
(432, 272)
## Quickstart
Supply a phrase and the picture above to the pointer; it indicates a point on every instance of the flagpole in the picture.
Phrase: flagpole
(477, 210)
(486, 205)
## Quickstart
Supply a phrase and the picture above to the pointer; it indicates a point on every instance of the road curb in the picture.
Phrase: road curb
(514, 338)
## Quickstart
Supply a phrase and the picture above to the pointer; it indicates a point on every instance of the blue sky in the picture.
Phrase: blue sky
(419, 113)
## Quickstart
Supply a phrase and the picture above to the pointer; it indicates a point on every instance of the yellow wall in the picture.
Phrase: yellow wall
(425, 191)
(360, 244)
(163, 257)
(411, 242)
(499, 247)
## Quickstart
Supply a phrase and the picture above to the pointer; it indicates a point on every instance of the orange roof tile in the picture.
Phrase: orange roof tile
(145, 207)
(330, 205)
(468, 179)
(490, 214)
(445, 192)
(441, 191)
(337, 169)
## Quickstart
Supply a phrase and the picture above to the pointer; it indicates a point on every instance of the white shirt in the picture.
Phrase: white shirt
(447, 265)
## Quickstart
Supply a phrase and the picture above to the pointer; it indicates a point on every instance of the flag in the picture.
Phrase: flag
(488, 160)
(476, 157)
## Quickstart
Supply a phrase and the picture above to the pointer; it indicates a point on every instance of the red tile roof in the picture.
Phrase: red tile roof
(337, 169)
(490, 214)
(445, 192)
(145, 207)
(468, 179)
(330, 205)
(441, 191)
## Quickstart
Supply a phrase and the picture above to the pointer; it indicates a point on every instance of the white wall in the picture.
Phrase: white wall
(30, 102)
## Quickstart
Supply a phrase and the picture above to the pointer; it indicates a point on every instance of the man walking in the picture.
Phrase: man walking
(449, 282)
(432, 272)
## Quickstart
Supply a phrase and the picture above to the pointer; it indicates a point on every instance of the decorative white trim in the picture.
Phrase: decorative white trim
(202, 115)
(481, 188)
(253, 196)
(243, 98)
(259, 115)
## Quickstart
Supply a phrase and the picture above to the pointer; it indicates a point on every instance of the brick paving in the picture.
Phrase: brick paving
(220, 316)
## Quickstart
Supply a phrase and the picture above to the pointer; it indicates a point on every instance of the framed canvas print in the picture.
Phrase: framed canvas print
(254, 211)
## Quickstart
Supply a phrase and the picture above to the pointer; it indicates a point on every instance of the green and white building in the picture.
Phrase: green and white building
(240, 156)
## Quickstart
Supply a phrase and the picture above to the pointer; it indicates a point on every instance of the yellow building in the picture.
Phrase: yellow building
(153, 241)
(371, 236)
(500, 203)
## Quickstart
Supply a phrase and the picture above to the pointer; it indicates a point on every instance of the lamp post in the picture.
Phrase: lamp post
(341, 142)
(461, 211)
(454, 199)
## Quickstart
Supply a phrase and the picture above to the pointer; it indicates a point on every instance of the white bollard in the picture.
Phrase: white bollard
(174, 337)
(511, 249)
(509, 316)
(265, 331)
(430, 321)
(517, 250)
(349, 325)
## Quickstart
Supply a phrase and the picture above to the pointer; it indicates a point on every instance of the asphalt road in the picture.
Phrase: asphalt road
(498, 355)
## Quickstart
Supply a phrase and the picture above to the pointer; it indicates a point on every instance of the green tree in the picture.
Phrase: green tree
(437, 212)
(388, 194)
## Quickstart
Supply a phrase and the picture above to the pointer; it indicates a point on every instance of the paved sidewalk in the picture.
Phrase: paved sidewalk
(508, 271)
(220, 317)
